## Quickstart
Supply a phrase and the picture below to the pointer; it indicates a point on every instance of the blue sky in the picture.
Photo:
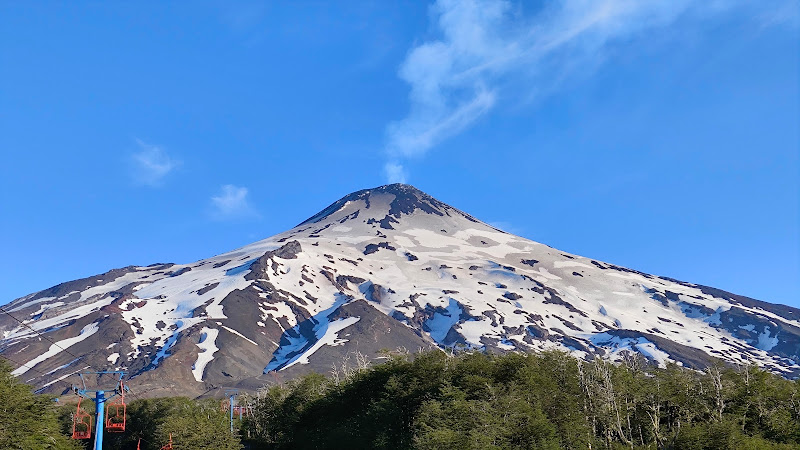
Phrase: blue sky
(662, 136)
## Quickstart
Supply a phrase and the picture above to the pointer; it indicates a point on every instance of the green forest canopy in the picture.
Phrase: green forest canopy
(469, 401)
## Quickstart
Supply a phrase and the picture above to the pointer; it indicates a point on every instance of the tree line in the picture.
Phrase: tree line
(547, 400)
(436, 400)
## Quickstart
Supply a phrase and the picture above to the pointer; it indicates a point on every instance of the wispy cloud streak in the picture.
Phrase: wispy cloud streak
(151, 164)
(232, 203)
(483, 46)
(395, 173)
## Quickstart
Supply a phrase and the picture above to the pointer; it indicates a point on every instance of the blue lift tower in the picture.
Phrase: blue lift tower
(112, 422)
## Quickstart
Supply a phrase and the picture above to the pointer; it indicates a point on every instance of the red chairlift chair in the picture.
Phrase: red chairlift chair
(238, 411)
(81, 423)
(115, 412)
(241, 411)
(169, 445)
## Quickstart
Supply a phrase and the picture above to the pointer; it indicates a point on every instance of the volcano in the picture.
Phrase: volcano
(389, 269)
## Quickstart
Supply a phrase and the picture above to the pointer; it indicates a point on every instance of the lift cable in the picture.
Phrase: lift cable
(39, 334)
(35, 370)
(22, 365)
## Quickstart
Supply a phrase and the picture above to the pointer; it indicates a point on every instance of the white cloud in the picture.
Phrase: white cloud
(395, 172)
(151, 164)
(486, 46)
(232, 203)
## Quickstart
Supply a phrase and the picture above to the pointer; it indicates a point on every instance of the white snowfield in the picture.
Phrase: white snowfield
(460, 281)
(57, 348)
(207, 349)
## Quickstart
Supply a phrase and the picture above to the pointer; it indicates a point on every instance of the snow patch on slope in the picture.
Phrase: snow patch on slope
(208, 347)
(330, 337)
(618, 345)
(439, 325)
(171, 301)
(296, 345)
(766, 341)
(57, 348)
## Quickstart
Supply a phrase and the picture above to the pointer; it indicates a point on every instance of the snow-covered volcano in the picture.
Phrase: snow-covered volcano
(385, 268)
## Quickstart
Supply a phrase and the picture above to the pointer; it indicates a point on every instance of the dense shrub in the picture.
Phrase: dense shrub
(28, 421)
(469, 401)
(546, 400)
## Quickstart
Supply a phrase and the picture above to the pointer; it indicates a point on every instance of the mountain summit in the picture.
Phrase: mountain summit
(383, 268)
(403, 199)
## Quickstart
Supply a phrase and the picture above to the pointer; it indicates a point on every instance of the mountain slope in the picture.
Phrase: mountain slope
(382, 268)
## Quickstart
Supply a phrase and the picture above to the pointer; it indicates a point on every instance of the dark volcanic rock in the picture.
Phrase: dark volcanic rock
(407, 200)
(260, 267)
(374, 292)
(538, 332)
(180, 272)
(780, 339)
(342, 280)
(286, 251)
(374, 330)
(207, 288)
(555, 299)
(372, 248)
(787, 312)
(689, 356)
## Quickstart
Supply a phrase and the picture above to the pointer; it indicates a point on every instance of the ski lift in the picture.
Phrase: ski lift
(81, 423)
(115, 412)
(225, 406)
(240, 411)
